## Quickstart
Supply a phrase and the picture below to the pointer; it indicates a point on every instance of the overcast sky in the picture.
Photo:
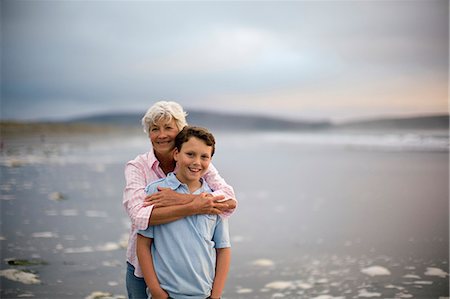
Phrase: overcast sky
(298, 59)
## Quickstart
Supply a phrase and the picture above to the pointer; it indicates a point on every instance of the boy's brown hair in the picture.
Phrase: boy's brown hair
(198, 132)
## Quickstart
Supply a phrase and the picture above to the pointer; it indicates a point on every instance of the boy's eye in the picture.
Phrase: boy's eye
(190, 154)
(205, 157)
(154, 129)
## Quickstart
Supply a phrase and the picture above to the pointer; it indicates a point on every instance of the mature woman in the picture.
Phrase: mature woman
(162, 122)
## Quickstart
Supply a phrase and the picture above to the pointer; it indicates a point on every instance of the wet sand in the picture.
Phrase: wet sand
(313, 221)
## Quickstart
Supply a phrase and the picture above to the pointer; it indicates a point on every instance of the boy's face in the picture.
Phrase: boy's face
(193, 160)
(162, 135)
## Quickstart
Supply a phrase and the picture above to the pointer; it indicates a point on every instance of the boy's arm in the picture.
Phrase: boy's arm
(222, 267)
(144, 254)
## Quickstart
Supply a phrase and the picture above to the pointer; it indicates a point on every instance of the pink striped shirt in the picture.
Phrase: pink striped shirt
(138, 174)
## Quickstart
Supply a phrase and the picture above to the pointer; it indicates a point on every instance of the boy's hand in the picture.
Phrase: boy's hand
(164, 198)
(159, 294)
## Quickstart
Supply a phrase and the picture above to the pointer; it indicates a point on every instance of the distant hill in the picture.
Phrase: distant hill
(213, 120)
(225, 121)
(403, 123)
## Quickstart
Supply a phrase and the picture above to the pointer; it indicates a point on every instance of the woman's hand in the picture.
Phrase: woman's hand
(208, 204)
(166, 197)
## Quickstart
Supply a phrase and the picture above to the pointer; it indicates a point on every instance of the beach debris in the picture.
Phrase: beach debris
(432, 271)
(280, 285)
(391, 286)
(109, 246)
(278, 295)
(113, 283)
(56, 196)
(124, 241)
(263, 263)
(84, 249)
(327, 297)
(423, 282)
(412, 276)
(113, 263)
(244, 291)
(104, 295)
(305, 285)
(20, 276)
(44, 235)
(7, 197)
(2, 238)
(99, 214)
(376, 271)
(403, 295)
(24, 262)
(15, 163)
(25, 295)
(51, 213)
(366, 294)
(69, 212)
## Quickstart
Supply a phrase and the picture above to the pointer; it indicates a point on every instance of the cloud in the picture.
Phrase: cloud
(112, 55)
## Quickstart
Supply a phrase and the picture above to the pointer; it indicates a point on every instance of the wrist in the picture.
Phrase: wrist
(158, 292)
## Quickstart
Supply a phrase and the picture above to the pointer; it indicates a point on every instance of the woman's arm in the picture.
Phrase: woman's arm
(144, 254)
(222, 267)
(199, 204)
(166, 205)
(134, 194)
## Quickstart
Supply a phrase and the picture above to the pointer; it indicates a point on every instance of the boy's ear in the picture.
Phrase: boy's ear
(175, 154)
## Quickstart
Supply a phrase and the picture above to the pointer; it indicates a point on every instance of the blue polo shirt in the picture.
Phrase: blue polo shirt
(184, 254)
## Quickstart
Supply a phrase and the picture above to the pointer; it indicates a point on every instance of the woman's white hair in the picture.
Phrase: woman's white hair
(164, 110)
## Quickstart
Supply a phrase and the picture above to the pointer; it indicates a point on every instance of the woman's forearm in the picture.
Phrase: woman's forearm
(222, 266)
(196, 204)
(165, 215)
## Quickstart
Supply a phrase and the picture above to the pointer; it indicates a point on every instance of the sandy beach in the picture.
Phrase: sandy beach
(317, 218)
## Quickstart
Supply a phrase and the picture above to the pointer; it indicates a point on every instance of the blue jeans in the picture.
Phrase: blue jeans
(136, 287)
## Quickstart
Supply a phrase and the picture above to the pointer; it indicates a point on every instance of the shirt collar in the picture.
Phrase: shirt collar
(173, 182)
(152, 161)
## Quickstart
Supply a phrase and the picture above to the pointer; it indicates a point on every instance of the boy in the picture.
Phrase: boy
(190, 257)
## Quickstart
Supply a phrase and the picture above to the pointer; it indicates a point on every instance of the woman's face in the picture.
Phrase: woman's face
(162, 135)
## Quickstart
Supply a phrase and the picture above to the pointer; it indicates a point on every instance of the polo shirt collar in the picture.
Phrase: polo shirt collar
(173, 182)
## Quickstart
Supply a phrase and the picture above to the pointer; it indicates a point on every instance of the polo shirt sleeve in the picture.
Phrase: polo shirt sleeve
(221, 235)
(149, 232)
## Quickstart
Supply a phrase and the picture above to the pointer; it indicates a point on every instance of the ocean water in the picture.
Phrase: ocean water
(320, 215)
